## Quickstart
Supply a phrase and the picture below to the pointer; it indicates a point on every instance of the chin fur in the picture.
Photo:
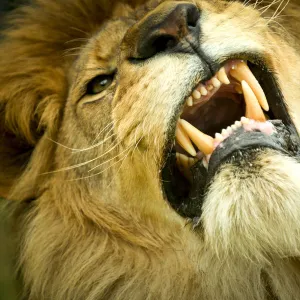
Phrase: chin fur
(253, 211)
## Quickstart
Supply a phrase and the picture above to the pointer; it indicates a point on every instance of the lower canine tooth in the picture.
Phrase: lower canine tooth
(183, 163)
(184, 141)
(192, 161)
(203, 141)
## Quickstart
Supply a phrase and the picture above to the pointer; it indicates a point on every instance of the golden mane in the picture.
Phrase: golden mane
(116, 235)
(43, 38)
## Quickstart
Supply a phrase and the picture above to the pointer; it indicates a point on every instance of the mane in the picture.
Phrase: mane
(40, 41)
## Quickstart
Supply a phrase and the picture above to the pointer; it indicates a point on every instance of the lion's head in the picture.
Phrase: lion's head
(150, 150)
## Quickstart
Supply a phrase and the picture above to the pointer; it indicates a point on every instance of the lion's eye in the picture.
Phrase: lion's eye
(99, 84)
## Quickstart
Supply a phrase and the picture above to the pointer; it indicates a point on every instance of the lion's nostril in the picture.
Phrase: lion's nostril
(193, 16)
(158, 34)
(160, 43)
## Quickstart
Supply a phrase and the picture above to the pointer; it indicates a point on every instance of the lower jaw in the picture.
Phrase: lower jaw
(186, 195)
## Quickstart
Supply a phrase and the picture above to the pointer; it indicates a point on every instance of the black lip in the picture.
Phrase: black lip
(241, 141)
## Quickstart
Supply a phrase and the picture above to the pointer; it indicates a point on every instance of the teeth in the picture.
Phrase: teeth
(183, 163)
(205, 163)
(242, 72)
(245, 121)
(255, 100)
(222, 76)
(238, 123)
(253, 109)
(224, 132)
(238, 89)
(209, 87)
(189, 101)
(203, 91)
(192, 161)
(216, 83)
(184, 141)
(229, 129)
(196, 94)
(203, 141)
(218, 137)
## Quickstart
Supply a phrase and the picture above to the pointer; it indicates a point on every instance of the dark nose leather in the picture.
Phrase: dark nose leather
(163, 30)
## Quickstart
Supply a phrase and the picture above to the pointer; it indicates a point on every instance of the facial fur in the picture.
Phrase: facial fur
(89, 107)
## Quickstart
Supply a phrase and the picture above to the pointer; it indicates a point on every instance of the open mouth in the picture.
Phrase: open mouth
(233, 111)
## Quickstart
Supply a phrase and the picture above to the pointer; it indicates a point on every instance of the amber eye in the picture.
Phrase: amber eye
(99, 84)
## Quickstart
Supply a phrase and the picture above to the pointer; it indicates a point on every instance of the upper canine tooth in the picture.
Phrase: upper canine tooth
(184, 141)
(222, 76)
(196, 94)
(253, 109)
(216, 83)
(242, 72)
(203, 141)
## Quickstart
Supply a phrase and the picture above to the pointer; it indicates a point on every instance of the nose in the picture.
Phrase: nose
(165, 28)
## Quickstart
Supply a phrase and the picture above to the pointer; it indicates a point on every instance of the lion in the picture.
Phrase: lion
(150, 149)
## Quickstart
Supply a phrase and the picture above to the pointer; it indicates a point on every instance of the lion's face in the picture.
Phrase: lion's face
(165, 103)
(175, 111)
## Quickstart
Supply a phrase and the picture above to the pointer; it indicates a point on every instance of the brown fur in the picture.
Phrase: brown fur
(102, 229)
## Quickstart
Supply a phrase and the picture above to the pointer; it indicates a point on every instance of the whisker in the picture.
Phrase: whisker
(77, 40)
(80, 30)
(76, 150)
(81, 164)
(87, 177)
(277, 12)
(109, 124)
(105, 162)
